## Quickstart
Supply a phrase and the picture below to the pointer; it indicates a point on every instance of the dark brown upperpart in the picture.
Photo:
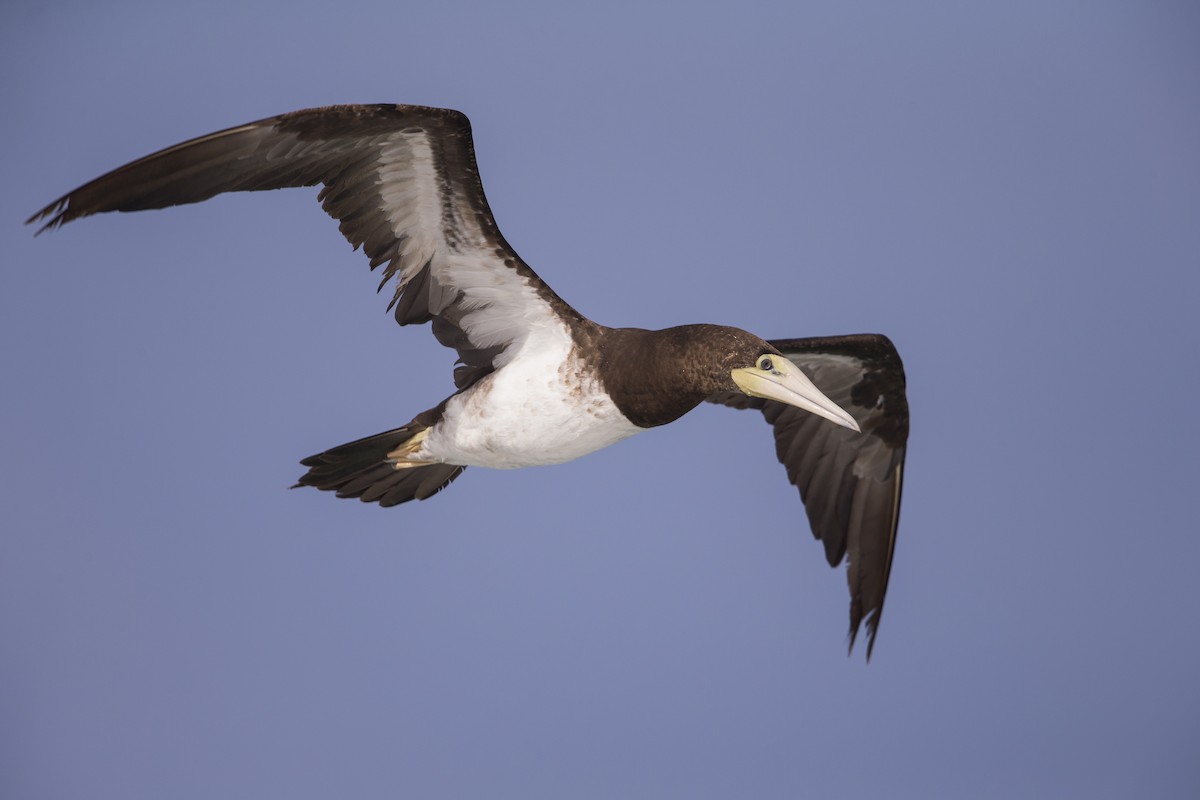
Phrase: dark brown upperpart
(655, 377)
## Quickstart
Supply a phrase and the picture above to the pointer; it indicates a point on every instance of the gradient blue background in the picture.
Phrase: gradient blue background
(1010, 191)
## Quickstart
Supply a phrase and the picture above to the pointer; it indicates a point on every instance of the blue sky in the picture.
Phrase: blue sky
(1011, 193)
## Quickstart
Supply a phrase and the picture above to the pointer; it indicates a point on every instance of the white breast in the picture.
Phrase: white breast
(542, 407)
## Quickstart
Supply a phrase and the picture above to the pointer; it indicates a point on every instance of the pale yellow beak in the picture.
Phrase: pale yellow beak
(787, 384)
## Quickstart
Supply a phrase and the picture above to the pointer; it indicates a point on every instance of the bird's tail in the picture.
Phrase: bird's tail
(368, 469)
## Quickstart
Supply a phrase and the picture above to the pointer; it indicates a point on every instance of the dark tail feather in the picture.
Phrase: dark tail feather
(362, 469)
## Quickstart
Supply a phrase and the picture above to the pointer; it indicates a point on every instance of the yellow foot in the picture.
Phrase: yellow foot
(402, 456)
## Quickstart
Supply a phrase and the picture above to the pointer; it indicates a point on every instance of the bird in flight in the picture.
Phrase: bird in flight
(536, 381)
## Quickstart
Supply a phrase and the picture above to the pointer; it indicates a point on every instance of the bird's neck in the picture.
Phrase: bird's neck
(654, 377)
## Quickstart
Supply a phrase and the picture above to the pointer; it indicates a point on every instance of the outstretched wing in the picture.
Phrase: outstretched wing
(403, 184)
(850, 482)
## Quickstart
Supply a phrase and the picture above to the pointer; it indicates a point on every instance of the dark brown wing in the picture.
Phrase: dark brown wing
(850, 482)
(403, 184)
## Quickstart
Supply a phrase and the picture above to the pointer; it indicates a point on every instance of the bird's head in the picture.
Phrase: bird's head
(759, 370)
(661, 375)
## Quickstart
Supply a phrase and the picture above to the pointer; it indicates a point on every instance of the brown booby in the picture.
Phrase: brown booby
(537, 382)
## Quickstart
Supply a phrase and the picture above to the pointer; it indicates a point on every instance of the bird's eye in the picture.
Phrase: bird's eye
(765, 364)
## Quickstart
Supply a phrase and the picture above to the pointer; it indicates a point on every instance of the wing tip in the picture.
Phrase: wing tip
(857, 622)
(59, 213)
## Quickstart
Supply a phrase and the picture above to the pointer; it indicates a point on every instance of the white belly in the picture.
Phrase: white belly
(537, 409)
